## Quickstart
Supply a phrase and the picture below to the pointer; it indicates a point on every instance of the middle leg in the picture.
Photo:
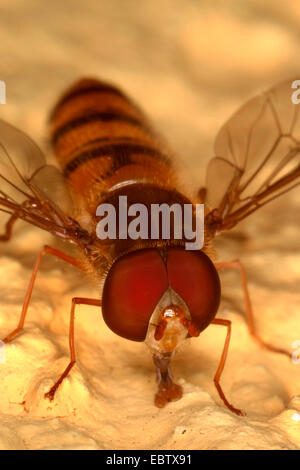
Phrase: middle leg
(237, 265)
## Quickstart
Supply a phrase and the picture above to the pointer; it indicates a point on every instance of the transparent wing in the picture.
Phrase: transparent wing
(51, 183)
(32, 190)
(257, 157)
(22, 162)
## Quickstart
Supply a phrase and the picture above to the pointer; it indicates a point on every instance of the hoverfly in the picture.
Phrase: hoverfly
(150, 290)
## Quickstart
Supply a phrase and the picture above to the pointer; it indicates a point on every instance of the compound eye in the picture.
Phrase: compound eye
(193, 276)
(132, 289)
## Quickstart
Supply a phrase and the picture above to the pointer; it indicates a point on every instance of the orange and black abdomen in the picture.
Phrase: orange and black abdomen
(101, 139)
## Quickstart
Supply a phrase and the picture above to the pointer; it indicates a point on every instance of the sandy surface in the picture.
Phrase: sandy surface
(190, 65)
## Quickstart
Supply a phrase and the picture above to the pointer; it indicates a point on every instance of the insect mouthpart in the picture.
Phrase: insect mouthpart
(169, 325)
(171, 329)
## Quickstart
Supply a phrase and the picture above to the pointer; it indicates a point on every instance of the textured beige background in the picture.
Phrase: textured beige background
(190, 64)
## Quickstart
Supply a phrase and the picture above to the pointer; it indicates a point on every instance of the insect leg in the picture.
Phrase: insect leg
(201, 195)
(75, 301)
(8, 229)
(237, 265)
(45, 250)
(217, 376)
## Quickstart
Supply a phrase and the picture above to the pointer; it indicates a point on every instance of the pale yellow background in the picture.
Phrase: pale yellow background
(190, 64)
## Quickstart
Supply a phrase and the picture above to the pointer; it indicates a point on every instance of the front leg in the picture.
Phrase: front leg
(75, 301)
(217, 377)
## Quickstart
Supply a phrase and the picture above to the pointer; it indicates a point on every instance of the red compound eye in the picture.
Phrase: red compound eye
(137, 281)
(193, 276)
(131, 292)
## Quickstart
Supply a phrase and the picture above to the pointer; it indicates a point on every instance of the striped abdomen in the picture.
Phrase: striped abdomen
(107, 149)
(102, 139)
